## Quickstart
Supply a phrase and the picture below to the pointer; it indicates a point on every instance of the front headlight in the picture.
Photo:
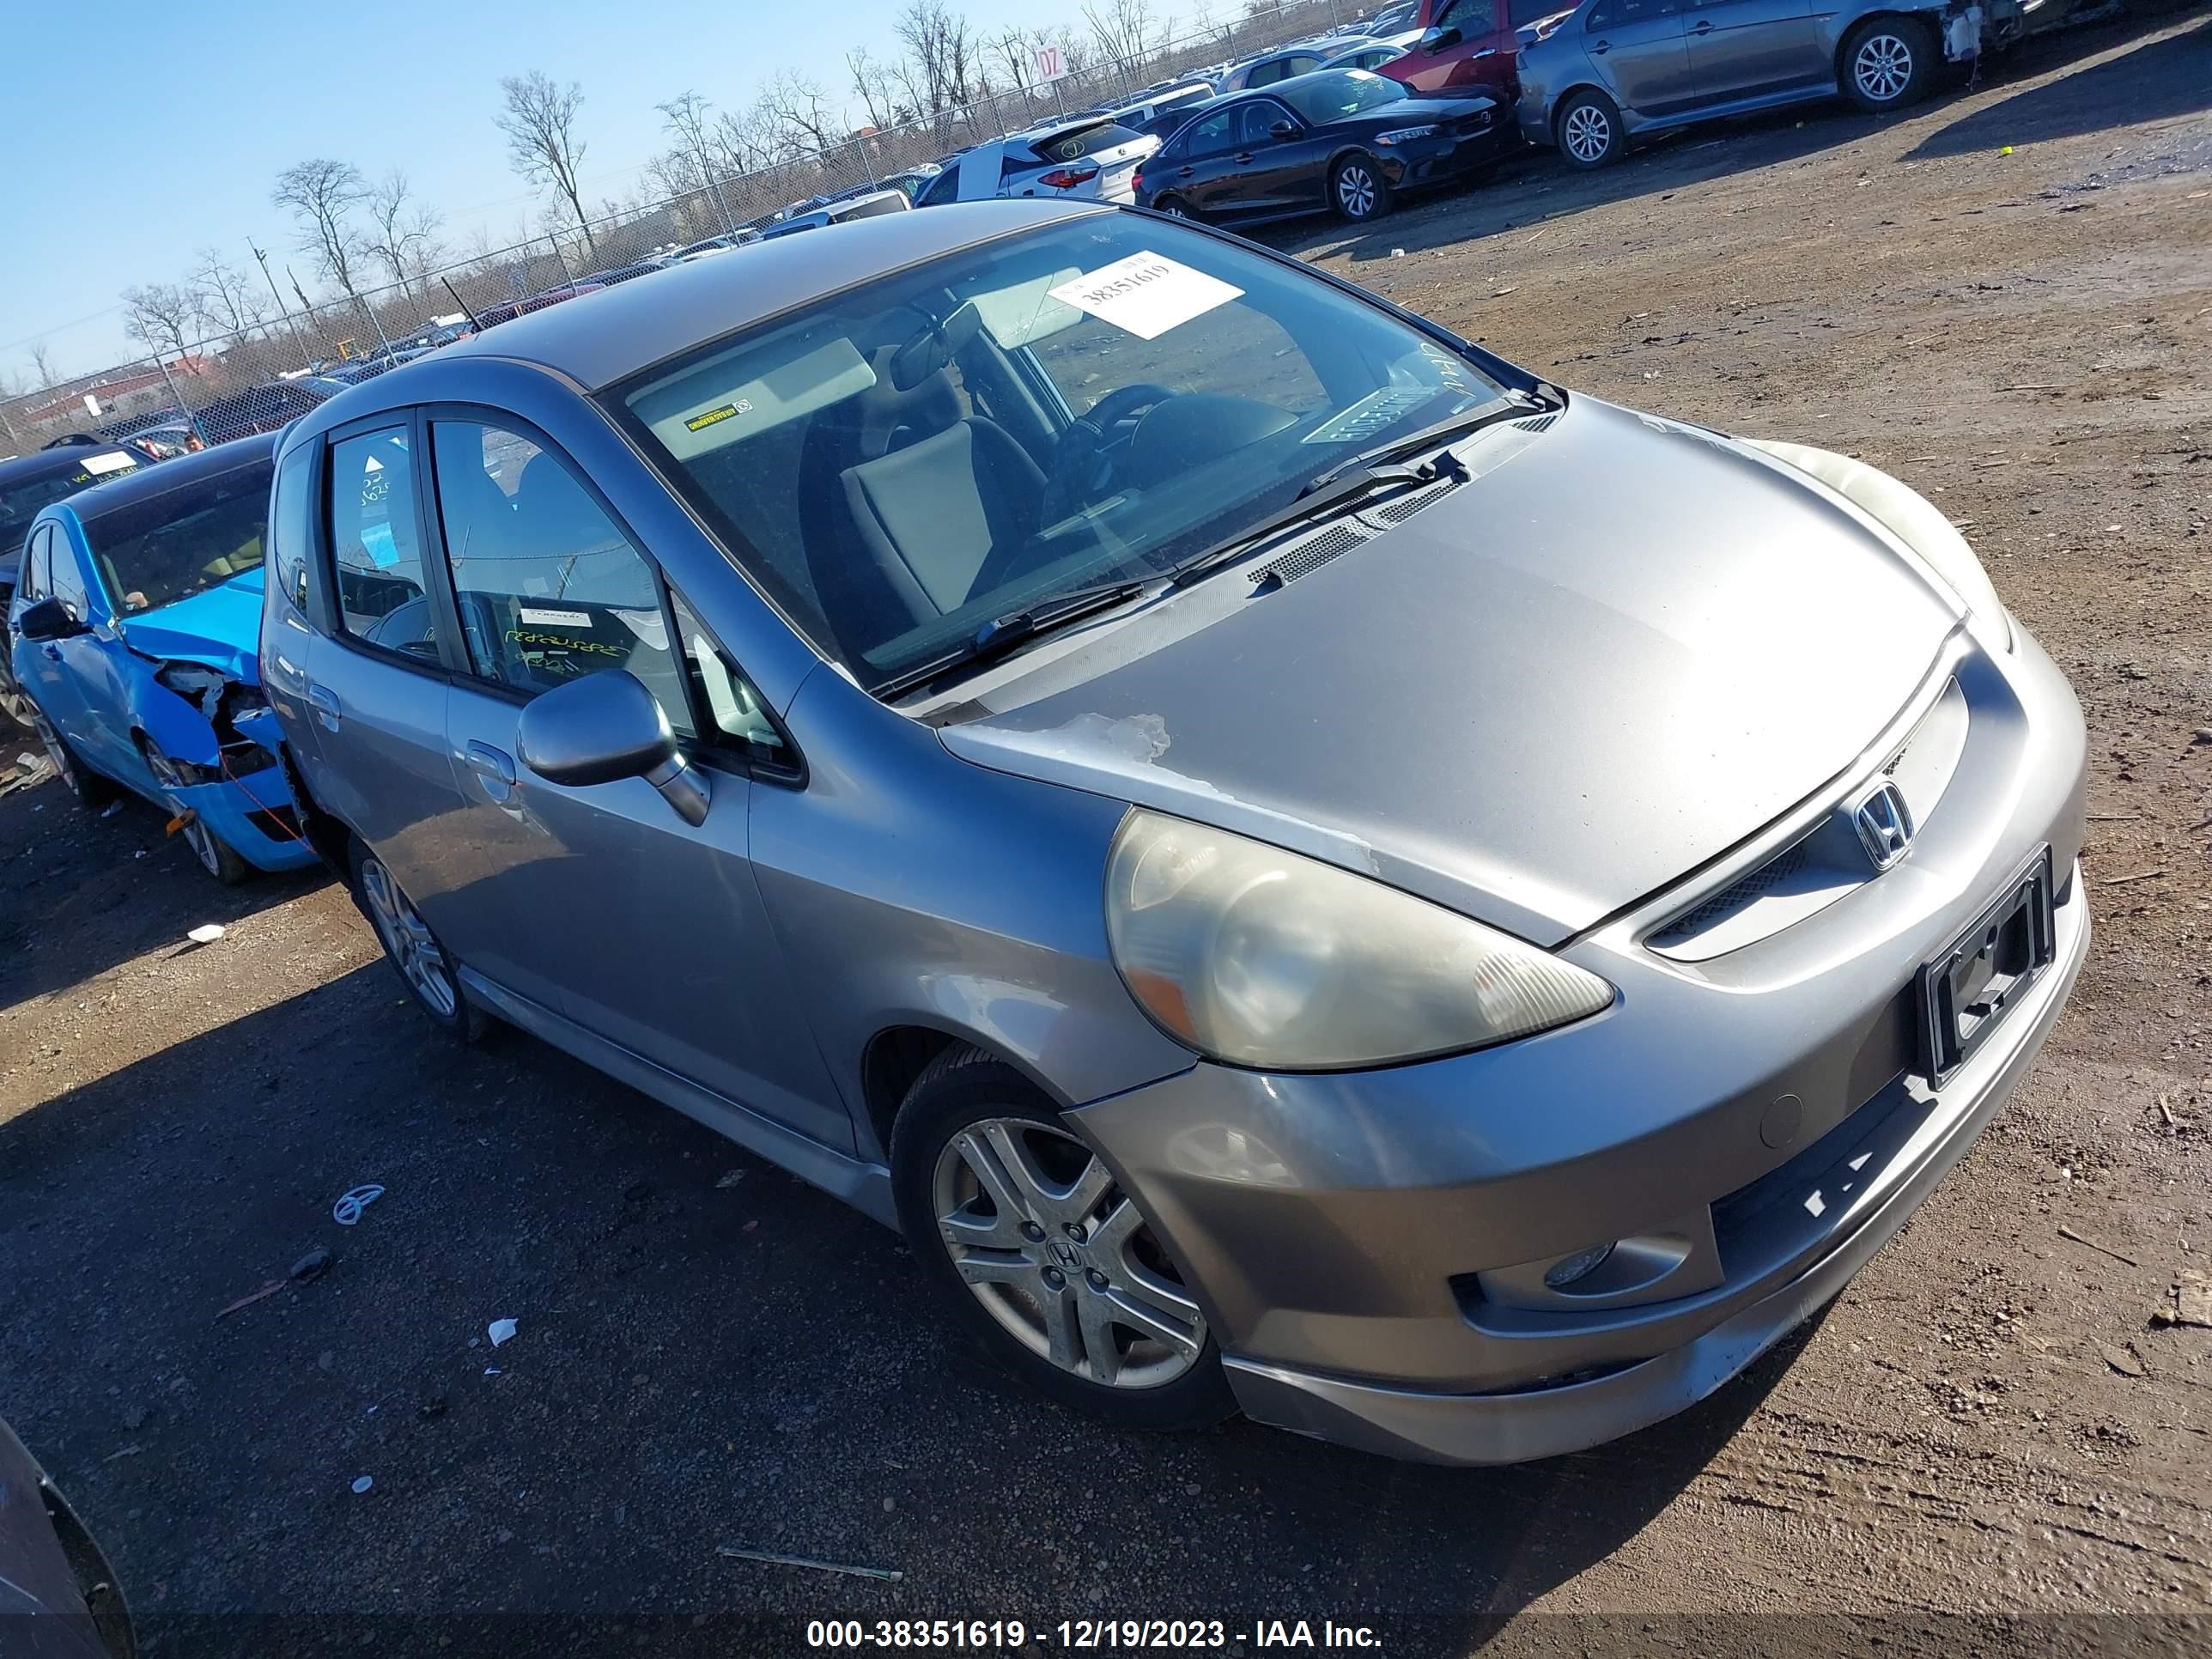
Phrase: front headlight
(1405, 135)
(1911, 518)
(1262, 957)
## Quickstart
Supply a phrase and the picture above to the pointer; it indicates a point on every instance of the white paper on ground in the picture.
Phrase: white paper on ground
(1145, 295)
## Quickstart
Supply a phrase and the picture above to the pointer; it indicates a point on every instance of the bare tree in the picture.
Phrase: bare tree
(539, 120)
(743, 141)
(42, 364)
(402, 231)
(685, 116)
(160, 317)
(804, 119)
(941, 56)
(1119, 28)
(227, 299)
(873, 82)
(321, 195)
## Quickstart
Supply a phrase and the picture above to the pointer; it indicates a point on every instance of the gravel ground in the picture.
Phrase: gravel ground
(1987, 1423)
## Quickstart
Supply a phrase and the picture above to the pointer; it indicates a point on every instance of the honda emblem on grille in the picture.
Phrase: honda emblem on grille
(1884, 824)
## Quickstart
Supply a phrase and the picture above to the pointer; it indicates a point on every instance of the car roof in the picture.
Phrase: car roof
(184, 471)
(69, 458)
(634, 324)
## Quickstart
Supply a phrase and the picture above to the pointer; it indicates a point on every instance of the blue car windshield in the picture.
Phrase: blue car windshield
(1083, 401)
(171, 546)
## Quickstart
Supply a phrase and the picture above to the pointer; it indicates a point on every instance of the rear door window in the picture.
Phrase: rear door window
(1210, 134)
(376, 544)
(549, 586)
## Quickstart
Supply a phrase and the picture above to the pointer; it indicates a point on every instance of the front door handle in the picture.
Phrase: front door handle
(325, 702)
(1704, 27)
(53, 653)
(1184, 173)
(1487, 52)
(496, 766)
(1597, 49)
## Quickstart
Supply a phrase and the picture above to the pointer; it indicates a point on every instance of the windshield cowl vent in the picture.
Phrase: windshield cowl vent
(1308, 556)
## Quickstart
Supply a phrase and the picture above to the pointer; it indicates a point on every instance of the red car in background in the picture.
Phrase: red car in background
(1467, 46)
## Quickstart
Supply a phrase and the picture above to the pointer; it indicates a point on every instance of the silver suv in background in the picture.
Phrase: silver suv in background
(1595, 79)
(1089, 159)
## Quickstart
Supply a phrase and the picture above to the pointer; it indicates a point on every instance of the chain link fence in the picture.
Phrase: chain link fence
(257, 378)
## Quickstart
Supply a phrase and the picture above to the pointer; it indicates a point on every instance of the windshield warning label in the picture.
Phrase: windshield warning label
(701, 423)
(1145, 295)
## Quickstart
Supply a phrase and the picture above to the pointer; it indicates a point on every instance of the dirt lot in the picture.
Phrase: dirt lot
(1986, 1423)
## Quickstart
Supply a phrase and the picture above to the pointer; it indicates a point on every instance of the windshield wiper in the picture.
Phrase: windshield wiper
(1003, 634)
(1431, 436)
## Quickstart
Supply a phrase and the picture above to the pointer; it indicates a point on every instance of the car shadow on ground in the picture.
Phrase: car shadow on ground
(81, 893)
(2160, 79)
(709, 1352)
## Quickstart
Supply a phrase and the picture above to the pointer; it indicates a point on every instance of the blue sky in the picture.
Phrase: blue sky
(136, 139)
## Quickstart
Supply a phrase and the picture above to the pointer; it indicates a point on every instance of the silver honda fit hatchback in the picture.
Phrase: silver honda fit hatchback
(1307, 869)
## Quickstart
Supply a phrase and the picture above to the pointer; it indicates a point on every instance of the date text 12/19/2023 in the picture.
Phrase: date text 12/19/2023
(1124, 1635)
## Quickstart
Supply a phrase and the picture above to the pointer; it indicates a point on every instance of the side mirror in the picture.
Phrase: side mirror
(604, 728)
(49, 619)
(1284, 129)
(1443, 40)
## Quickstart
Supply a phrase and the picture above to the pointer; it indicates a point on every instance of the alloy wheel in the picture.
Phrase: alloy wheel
(197, 835)
(1586, 133)
(1356, 190)
(1061, 1257)
(1883, 67)
(408, 940)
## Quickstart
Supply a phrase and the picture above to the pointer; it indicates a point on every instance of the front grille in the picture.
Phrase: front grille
(1731, 900)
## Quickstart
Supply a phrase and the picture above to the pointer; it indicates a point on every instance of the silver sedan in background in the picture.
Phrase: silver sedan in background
(1596, 78)
(1306, 868)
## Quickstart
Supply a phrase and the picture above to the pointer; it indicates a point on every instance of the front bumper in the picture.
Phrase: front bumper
(1447, 158)
(1369, 1247)
(253, 814)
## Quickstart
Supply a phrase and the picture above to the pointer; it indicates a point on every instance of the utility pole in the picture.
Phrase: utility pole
(261, 257)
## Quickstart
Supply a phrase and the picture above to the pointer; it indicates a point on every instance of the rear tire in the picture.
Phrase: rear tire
(424, 964)
(87, 789)
(1887, 62)
(1590, 132)
(1174, 206)
(1357, 190)
(1031, 1248)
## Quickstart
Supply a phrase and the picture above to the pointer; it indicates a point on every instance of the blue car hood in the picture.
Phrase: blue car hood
(220, 628)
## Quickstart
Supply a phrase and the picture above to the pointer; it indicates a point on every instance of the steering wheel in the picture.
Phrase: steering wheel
(1079, 467)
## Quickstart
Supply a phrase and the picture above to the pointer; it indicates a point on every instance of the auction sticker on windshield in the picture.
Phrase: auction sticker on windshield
(1145, 295)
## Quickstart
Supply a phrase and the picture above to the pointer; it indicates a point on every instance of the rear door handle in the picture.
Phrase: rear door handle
(1487, 52)
(325, 702)
(496, 766)
(1704, 27)
(1183, 172)
(1598, 49)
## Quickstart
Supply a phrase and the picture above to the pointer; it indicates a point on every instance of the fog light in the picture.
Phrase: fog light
(1568, 1269)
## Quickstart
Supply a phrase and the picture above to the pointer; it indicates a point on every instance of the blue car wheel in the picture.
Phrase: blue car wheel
(89, 787)
(216, 856)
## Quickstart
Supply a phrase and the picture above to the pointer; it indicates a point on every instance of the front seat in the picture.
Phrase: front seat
(902, 503)
(925, 525)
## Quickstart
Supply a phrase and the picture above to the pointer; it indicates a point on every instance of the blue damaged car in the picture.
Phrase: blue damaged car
(134, 635)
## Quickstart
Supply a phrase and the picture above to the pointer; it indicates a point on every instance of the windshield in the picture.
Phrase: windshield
(157, 551)
(1059, 408)
(22, 503)
(1325, 98)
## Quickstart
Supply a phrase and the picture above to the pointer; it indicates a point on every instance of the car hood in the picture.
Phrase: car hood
(220, 627)
(1622, 648)
(1408, 112)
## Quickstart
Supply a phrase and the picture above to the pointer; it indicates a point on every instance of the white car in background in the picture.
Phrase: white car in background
(1089, 158)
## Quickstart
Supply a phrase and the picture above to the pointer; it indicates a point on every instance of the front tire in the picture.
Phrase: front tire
(1589, 130)
(1033, 1249)
(1357, 190)
(415, 955)
(1888, 62)
(216, 856)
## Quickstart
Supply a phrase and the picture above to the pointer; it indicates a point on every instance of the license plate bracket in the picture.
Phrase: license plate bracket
(1966, 992)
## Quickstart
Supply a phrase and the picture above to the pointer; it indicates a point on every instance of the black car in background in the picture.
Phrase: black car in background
(31, 483)
(1345, 140)
(59, 1598)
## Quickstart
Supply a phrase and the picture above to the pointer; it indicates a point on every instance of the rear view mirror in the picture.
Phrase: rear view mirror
(602, 729)
(49, 619)
(1443, 40)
